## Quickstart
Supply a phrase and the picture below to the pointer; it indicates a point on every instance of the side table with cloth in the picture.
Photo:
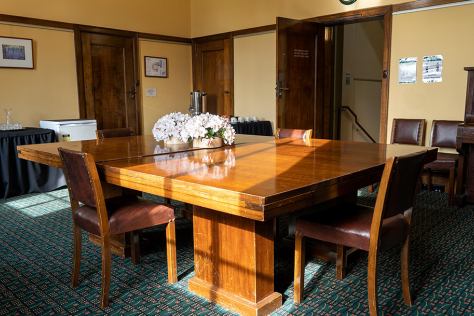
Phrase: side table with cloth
(20, 176)
(263, 128)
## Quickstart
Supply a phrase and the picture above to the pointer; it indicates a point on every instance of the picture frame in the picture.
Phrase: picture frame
(156, 67)
(16, 52)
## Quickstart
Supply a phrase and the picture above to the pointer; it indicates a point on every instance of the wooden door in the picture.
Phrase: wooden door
(109, 80)
(214, 74)
(300, 76)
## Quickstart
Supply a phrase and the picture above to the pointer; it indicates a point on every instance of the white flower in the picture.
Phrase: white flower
(170, 125)
(201, 126)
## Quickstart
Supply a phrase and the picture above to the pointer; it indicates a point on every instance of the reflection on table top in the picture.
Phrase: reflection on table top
(115, 148)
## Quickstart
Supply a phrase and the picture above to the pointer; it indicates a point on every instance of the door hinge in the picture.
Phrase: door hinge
(137, 83)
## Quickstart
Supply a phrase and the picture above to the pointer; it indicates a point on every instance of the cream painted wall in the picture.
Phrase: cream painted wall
(362, 57)
(254, 77)
(166, 17)
(172, 92)
(435, 32)
(217, 16)
(50, 90)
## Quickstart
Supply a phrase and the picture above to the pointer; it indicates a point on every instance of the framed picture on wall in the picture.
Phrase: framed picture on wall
(156, 67)
(16, 52)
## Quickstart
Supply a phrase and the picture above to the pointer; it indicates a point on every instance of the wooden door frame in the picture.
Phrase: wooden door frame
(194, 61)
(364, 15)
(78, 30)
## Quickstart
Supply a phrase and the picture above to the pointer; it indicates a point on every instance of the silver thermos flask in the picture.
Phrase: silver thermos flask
(198, 103)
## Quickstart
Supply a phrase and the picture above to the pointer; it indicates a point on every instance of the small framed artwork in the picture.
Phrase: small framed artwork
(16, 52)
(156, 67)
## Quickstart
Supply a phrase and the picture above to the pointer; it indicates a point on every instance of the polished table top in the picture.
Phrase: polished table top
(257, 177)
(256, 180)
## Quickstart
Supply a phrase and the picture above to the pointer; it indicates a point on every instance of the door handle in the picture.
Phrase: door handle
(279, 89)
(226, 91)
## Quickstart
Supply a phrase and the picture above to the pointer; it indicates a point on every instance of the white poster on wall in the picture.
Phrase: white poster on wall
(433, 68)
(407, 70)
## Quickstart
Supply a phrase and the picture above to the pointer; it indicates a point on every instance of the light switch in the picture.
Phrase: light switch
(151, 92)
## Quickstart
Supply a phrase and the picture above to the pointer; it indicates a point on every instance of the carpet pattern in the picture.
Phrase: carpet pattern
(36, 258)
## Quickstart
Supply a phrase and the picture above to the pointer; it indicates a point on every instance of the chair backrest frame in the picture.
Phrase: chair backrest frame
(94, 182)
(392, 167)
(114, 132)
(420, 133)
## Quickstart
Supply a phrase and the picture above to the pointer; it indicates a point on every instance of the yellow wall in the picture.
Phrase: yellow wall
(254, 77)
(218, 16)
(167, 17)
(172, 93)
(436, 32)
(50, 90)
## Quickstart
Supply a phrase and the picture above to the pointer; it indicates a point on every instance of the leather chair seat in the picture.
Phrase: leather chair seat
(126, 213)
(444, 161)
(349, 225)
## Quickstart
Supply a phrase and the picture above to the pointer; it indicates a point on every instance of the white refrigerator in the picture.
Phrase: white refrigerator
(71, 130)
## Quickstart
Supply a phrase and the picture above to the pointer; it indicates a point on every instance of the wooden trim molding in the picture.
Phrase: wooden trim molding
(351, 15)
(422, 4)
(211, 38)
(255, 30)
(164, 38)
(38, 22)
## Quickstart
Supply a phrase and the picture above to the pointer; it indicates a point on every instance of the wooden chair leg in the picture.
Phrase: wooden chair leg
(167, 201)
(106, 271)
(372, 277)
(451, 187)
(171, 252)
(76, 264)
(341, 262)
(300, 261)
(371, 188)
(135, 245)
(406, 272)
(428, 183)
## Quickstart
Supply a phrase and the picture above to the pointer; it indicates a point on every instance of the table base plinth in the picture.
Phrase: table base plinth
(233, 262)
(234, 302)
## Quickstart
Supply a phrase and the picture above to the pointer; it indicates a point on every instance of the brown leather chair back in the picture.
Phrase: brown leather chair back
(403, 174)
(408, 131)
(443, 133)
(79, 175)
(293, 133)
(114, 132)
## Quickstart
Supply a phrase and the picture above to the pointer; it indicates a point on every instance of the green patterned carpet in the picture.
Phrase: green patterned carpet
(36, 259)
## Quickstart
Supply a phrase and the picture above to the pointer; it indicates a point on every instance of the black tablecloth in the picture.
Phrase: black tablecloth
(21, 176)
(263, 128)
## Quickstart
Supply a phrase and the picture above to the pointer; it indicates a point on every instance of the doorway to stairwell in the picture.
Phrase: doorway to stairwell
(358, 71)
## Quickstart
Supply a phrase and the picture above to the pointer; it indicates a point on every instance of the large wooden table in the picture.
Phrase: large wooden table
(236, 191)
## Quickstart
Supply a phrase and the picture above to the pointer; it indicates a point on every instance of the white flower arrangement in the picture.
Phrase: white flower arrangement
(206, 127)
(170, 125)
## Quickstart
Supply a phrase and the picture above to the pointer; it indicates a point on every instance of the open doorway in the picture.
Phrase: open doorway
(358, 71)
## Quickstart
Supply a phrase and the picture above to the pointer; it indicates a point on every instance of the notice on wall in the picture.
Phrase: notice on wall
(348, 78)
(407, 70)
(433, 68)
(151, 92)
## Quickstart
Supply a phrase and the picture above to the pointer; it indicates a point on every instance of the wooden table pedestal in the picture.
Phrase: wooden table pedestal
(233, 262)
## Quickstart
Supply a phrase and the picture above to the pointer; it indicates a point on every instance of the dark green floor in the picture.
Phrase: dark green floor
(36, 259)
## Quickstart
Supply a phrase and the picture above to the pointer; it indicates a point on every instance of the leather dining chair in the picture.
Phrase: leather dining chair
(114, 132)
(443, 134)
(293, 133)
(370, 229)
(104, 218)
(407, 132)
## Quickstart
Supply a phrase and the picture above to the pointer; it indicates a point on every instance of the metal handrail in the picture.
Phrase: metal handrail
(344, 108)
